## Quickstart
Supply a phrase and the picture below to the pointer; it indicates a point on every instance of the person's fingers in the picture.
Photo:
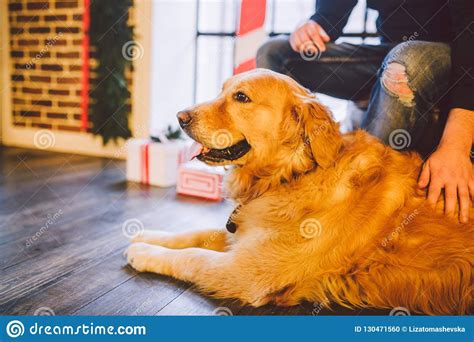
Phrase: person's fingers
(295, 40)
(450, 199)
(471, 190)
(434, 192)
(298, 40)
(323, 34)
(319, 43)
(312, 30)
(464, 203)
(313, 33)
(305, 40)
(424, 176)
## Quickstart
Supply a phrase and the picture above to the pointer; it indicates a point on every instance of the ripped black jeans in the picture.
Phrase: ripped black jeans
(406, 84)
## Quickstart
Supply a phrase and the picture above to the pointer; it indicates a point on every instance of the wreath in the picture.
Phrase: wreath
(112, 45)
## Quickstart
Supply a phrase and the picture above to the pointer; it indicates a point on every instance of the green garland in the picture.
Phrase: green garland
(109, 33)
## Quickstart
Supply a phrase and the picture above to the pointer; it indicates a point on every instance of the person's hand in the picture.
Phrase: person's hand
(449, 168)
(309, 33)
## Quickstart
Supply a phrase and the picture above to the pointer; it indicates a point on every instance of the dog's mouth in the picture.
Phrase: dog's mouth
(215, 155)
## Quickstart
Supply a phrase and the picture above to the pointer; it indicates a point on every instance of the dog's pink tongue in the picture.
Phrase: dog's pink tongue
(196, 149)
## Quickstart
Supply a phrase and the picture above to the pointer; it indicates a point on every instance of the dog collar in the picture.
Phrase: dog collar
(231, 226)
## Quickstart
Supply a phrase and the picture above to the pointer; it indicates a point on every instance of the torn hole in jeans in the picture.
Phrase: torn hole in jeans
(395, 81)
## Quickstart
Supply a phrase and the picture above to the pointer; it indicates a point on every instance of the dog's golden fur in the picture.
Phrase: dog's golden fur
(323, 217)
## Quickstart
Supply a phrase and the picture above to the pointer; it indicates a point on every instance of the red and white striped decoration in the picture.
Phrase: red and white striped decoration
(250, 34)
(85, 66)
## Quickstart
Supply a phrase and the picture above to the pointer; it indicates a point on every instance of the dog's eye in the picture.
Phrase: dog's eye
(241, 97)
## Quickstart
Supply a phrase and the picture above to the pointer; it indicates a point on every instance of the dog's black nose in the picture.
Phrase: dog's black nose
(184, 118)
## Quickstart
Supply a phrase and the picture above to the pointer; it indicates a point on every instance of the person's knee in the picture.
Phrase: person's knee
(271, 54)
(412, 67)
(396, 70)
(395, 80)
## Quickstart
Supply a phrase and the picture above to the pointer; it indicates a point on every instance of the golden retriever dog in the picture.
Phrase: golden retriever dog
(320, 216)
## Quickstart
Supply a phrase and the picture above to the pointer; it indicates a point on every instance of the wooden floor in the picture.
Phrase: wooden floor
(61, 241)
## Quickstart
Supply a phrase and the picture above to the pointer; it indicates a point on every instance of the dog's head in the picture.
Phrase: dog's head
(262, 118)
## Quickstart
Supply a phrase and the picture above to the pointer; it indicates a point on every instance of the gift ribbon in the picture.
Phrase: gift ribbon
(145, 163)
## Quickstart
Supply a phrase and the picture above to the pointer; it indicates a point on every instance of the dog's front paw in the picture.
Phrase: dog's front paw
(141, 256)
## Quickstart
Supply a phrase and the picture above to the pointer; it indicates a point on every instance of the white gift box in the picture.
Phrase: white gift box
(200, 180)
(154, 163)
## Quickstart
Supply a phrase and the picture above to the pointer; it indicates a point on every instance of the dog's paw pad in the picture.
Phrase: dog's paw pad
(137, 255)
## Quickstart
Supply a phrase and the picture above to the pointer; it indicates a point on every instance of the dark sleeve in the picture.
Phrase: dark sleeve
(332, 15)
(462, 54)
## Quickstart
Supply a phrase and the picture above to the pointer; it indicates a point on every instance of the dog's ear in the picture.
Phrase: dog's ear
(319, 130)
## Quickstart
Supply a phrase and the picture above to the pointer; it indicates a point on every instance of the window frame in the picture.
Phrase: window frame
(233, 34)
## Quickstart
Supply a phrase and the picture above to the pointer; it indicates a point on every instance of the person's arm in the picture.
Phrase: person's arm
(325, 25)
(461, 93)
(332, 15)
(450, 166)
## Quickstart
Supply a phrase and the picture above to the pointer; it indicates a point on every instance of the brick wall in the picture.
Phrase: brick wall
(45, 48)
(46, 61)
